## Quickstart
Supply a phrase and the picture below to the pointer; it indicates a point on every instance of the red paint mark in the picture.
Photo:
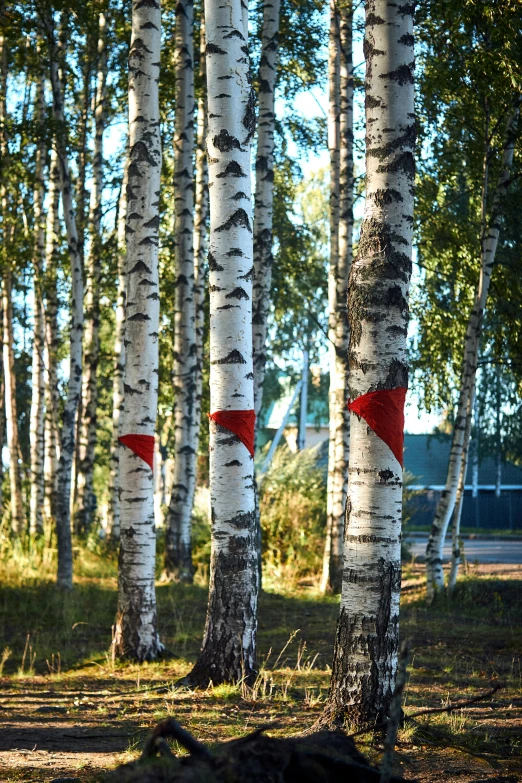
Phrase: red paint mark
(142, 446)
(383, 411)
(241, 423)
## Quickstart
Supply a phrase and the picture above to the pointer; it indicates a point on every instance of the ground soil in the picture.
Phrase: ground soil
(95, 713)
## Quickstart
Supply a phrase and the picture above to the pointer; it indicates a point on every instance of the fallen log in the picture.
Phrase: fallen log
(324, 757)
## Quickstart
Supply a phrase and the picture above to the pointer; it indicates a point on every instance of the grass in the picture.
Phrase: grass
(57, 669)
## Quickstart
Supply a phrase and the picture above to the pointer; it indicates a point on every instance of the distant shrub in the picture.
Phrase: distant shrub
(293, 517)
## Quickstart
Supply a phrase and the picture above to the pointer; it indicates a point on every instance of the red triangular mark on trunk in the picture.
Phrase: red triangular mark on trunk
(241, 423)
(383, 411)
(142, 446)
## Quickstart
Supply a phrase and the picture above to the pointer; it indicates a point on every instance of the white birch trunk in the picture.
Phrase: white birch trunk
(11, 417)
(119, 361)
(457, 511)
(178, 550)
(68, 431)
(264, 193)
(85, 497)
(229, 643)
(434, 571)
(341, 223)
(37, 418)
(52, 394)
(136, 633)
(200, 227)
(366, 645)
(303, 405)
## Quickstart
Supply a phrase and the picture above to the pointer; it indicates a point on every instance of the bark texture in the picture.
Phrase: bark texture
(178, 551)
(457, 511)
(85, 497)
(229, 643)
(119, 361)
(69, 418)
(136, 632)
(366, 645)
(264, 192)
(37, 419)
(489, 242)
(52, 393)
(11, 417)
(341, 230)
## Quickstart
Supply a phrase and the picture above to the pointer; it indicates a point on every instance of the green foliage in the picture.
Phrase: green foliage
(293, 517)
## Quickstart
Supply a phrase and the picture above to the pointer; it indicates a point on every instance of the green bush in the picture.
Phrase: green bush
(293, 517)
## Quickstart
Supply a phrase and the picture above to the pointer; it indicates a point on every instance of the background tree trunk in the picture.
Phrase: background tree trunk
(52, 392)
(457, 511)
(136, 632)
(490, 235)
(85, 497)
(342, 226)
(68, 432)
(178, 550)
(366, 645)
(37, 420)
(264, 193)
(11, 417)
(229, 643)
(119, 360)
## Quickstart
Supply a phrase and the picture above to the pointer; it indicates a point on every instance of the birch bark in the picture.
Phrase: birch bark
(68, 431)
(37, 417)
(136, 633)
(11, 417)
(52, 394)
(366, 645)
(85, 498)
(229, 643)
(178, 551)
(264, 192)
(491, 231)
(341, 222)
(200, 226)
(457, 511)
(119, 360)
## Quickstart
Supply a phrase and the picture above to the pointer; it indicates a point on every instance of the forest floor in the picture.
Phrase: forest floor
(67, 710)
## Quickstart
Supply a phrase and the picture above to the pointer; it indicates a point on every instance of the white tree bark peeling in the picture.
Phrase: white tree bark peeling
(136, 633)
(229, 644)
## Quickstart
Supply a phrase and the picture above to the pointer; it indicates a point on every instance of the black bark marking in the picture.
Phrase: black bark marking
(234, 357)
(233, 463)
(233, 169)
(213, 264)
(239, 195)
(237, 293)
(225, 142)
(140, 266)
(248, 275)
(213, 49)
(235, 251)
(239, 219)
(402, 75)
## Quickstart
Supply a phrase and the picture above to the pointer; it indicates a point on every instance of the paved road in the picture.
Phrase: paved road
(495, 551)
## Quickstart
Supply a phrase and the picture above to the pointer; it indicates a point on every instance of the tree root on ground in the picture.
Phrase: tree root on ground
(324, 757)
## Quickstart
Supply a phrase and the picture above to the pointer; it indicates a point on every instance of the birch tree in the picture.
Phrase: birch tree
(11, 416)
(178, 551)
(37, 420)
(366, 644)
(52, 392)
(489, 242)
(85, 499)
(136, 634)
(119, 361)
(341, 229)
(229, 642)
(264, 192)
(69, 419)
